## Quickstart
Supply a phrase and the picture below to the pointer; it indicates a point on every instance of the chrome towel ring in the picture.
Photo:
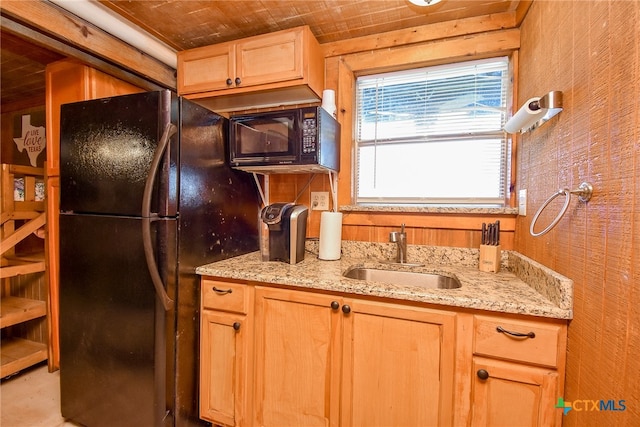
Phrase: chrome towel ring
(584, 193)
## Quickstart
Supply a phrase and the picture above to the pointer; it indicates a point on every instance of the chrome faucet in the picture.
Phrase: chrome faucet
(400, 237)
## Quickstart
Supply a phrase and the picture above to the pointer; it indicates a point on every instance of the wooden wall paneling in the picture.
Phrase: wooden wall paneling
(590, 52)
(631, 189)
(52, 258)
(594, 316)
(513, 106)
(62, 77)
(319, 183)
(286, 187)
(346, 115)
(426, 229)
(580, 332)
(619, 163)
(430, 220)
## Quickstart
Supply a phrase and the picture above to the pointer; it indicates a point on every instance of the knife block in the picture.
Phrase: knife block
(489, 258)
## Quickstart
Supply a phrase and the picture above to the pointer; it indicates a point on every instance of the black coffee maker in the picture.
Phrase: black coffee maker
(287, 230)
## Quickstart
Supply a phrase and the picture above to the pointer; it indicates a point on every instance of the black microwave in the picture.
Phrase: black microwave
(296, 140)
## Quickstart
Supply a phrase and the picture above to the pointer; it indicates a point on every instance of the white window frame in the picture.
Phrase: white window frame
(386, 146)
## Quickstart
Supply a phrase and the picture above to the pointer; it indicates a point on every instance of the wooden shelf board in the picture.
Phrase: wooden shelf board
(16, 270)
(18, 259)
(14, 310)
(18, 354)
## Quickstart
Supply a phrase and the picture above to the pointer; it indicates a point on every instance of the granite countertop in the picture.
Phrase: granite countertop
(522, 286)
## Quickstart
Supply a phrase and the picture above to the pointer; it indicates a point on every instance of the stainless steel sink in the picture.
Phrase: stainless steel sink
(425, 280)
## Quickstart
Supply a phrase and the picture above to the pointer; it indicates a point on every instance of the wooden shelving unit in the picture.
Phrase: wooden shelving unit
(22, 301)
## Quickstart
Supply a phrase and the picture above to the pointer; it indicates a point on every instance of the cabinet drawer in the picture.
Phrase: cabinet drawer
(225, 296)
(496, 337)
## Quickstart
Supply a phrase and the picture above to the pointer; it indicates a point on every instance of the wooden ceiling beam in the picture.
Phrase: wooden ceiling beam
(87, 39)
(421, 34)
(461, 48)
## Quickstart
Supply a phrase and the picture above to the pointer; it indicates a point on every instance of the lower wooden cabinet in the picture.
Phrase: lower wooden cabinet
(281, 357)
(224, 346)
(397, 365)
(297, 358)
(513, 395)
(225, 333)
(518, 371)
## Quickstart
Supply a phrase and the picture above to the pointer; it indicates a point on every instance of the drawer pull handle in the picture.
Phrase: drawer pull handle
(222, 291)
(516, 334)
(483, 374)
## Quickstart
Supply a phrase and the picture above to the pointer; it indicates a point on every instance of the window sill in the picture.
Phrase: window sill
(456, 210)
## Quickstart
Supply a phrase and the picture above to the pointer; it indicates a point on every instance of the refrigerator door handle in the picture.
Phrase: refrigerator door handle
(167, 302)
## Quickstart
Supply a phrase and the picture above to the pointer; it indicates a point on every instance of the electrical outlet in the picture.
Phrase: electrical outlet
(522, 203)
(320, 200)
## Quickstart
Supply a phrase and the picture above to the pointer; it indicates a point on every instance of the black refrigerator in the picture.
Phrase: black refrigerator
(146, 196)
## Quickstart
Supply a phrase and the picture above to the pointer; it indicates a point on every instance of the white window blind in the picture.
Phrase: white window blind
(434, 135)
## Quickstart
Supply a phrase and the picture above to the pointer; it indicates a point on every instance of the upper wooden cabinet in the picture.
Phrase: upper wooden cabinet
(285, 67)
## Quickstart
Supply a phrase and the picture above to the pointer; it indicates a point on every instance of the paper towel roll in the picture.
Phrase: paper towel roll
(329, 101)
(525, 117)
(330, 235)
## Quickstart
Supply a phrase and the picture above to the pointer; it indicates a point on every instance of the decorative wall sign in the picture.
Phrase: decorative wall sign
(33, 140)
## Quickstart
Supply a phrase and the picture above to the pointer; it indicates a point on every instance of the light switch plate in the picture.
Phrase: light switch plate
(320, 200)
(522, 202)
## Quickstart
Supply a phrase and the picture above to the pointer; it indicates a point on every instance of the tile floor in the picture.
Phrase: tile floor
(32, 399)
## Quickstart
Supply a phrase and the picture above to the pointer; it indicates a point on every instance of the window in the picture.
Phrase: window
(434, 135)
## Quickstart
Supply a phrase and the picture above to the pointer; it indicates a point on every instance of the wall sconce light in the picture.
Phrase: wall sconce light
(535, 112)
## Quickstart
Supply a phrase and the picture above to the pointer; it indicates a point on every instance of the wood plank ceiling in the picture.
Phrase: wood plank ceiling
(185, 24)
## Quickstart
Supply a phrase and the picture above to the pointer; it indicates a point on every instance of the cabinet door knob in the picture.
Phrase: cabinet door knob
(222, 291)
(516, 334)
(482, 374)
(335, 305)
(236, 325)
(229, 81)
(346, 309)
(238, 81)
